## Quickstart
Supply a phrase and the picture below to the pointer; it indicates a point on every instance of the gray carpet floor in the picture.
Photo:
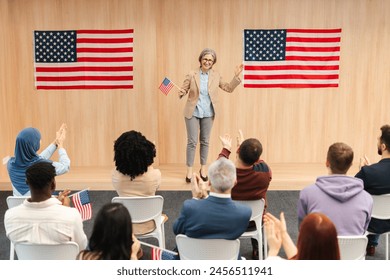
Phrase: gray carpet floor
(278, 201)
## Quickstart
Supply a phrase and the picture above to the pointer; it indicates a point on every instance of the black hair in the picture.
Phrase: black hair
(40, 175)
(112, 233)
(250, 151)
(385, 137)
(133, 153)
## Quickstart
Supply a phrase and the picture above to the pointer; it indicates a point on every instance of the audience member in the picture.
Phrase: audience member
(43, 219)
(27, 145)
(215, 216)
(253, 174)
(134, 174)
(317, 239)
(376, 181)
(342, 198)
(112, 236)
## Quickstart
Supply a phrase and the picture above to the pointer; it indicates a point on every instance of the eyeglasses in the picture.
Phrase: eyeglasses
(208, 60)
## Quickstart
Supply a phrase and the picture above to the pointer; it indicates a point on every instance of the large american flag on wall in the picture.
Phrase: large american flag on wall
(291, 58)
(83, 59)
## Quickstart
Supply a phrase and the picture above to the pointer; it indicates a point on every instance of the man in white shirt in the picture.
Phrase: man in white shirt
(43, 219)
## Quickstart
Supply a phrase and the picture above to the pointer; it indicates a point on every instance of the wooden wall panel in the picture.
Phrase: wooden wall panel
(295, 125)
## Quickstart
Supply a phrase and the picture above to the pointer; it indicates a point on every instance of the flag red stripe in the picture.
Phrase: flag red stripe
(291, 76)
(104, 40)
(85, 78)
(104, 59)
(311, 40)
(92, 31)
(313, 49)
(336, 30)
(59, 87)
(289, 85)
(103, 50)
(84, 68)
(291, 67)
(313, 58)
(95, 56)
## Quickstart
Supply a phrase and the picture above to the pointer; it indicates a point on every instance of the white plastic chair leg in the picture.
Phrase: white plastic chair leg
(387, 246)
(11, 251)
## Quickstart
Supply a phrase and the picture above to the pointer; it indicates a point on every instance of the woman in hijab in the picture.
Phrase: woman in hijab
(28, 143)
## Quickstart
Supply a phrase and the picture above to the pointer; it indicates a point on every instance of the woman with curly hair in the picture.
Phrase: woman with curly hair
(134, 174)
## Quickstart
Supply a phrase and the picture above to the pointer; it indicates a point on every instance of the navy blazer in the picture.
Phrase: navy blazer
(212, 218)
(376, 177)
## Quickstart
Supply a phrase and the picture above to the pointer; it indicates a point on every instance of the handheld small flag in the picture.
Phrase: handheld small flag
(162, 254)
(166, 86)
(82, 203)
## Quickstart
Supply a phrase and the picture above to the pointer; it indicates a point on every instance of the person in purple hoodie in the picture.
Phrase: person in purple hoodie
(340, 197)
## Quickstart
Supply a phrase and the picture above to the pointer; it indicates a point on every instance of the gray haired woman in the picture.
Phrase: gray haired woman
(201, 86)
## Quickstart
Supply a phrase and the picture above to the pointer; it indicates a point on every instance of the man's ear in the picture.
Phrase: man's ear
(327, 163)
(53, 185)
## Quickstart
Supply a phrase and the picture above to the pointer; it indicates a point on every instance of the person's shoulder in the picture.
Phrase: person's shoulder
(154, 171)
(193, 72)
(87, 255)
(261, 166)
(243, 208)
(308, 190)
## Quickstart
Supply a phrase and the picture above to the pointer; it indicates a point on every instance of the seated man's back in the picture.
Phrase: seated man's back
(217, 216)
(43, 219)
(340, 197)
(213, 217)
(47, 222)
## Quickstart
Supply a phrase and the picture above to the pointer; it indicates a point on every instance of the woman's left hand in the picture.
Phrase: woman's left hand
(135, 248)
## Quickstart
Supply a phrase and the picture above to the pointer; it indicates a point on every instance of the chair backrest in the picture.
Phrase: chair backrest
(257, 207)
(142, 209)
(381, 206)
(352, 247)
(207, 249)
(29, 251)
(13, 201)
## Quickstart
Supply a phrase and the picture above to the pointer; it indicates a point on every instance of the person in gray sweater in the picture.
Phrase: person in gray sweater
(340, 197)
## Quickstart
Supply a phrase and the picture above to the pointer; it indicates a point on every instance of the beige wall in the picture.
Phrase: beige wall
(294, 125)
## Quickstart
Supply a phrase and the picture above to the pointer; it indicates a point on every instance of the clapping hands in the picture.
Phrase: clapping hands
(226, 140)
(198, 187)
(60, 136)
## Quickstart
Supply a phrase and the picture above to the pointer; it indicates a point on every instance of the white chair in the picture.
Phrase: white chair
(13, 201)
(352, 247)
(381, 210)
(207, 249)
(29, 251)
(257, 207)
(144, 209)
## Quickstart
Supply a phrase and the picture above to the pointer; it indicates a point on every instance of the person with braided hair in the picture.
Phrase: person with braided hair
(134, 174)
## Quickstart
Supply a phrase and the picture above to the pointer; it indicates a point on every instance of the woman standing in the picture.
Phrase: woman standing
(202, 85)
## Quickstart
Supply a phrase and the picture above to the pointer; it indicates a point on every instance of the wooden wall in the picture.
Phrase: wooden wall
(294, 125)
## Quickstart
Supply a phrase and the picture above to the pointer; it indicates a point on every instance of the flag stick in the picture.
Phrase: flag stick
(176, 85)
(152, 246)
(87, 189)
